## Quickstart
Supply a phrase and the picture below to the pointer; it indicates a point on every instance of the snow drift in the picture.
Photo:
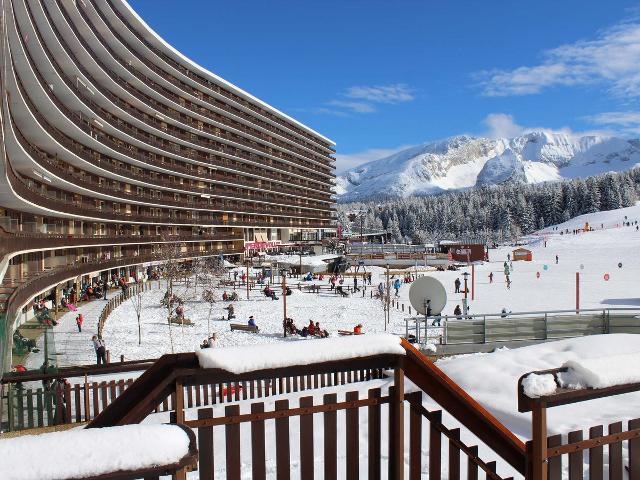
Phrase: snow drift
(260, 357)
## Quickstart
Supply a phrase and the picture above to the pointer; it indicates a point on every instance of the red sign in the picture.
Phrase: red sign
(259, 245)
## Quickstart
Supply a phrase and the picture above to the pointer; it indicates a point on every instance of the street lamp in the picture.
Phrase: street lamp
(466, 290)
(283, 273)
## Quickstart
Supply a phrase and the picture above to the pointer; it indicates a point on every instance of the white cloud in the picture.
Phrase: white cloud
(346, 162)
(625, 123)
(612, 59)
(394, 93)
(364, 99)
(501, 125)
(355, 107)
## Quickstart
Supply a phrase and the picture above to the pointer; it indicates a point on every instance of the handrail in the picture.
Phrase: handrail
(443, 390)
(160, 380)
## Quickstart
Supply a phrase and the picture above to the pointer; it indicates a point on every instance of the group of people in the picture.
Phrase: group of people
(209, 342)
(230, 297)
(311, 330)
(42, 313)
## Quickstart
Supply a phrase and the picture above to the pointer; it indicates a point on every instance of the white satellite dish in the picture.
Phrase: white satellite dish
(428, 288)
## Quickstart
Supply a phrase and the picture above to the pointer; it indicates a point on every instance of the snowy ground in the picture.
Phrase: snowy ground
(592, 254)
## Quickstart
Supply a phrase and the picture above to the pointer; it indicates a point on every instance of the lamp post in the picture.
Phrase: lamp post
(464, 300)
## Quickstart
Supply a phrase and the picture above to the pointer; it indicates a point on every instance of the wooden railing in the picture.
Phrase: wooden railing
(173, 375)
(549, 455)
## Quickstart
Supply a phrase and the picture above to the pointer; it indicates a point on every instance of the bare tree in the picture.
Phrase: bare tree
(135, 295)
(210, 272)
(169, 254)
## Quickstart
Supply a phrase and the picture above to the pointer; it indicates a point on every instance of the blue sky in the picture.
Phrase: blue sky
(376, 75)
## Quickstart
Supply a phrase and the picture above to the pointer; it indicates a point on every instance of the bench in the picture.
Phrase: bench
(349, 332)
(181, 321)
(243, 328)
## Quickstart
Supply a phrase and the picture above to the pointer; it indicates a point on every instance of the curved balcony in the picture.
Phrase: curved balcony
(126, 128)
(28, 190)
(266, 139)
(50, 165)
(213, 87)
(106, 140)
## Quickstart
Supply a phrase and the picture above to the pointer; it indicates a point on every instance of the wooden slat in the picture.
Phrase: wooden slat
(435, 446)
(67, 403)
(454, 454)
(352, 438)
(472, 467)
(415, 437)
(95, 399)
(330, 439)
(232, 439)
(245, 393)
(112, 391)
(104, 394)
(29, 395)
(198, 395)
(258, 466)
(576, 470)
(374, 435)
(283, 457)
(205, 446)
(554, 465)
(634, 452)
(78, 403)
(306, 440)
(40, 407)
(596, 455)
(615, 454)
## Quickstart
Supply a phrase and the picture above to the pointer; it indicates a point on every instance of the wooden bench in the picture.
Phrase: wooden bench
(181, 321)
(243, 328)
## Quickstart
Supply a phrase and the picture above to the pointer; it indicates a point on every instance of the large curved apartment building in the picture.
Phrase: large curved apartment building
(113, 144)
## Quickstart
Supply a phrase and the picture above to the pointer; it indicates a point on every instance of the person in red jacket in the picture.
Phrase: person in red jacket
(79, 321)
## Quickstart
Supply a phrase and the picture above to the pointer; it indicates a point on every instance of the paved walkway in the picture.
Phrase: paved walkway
(72, 347)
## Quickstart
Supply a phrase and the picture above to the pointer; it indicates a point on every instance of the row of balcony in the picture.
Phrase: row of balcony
(31, 191)
(62, 170)
(324, 161)
(215, 88)
(125, 127)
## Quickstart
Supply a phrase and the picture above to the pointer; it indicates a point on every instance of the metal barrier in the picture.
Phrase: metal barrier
(522, 326)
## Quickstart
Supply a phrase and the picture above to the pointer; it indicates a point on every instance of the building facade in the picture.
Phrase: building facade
(114, 144)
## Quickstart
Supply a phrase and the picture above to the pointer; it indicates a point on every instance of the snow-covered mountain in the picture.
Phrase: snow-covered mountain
(465, 161)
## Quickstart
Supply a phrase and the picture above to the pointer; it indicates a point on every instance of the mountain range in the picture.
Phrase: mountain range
(465, 161)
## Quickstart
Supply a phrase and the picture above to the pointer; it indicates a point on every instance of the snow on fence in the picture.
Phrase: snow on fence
(26, 408)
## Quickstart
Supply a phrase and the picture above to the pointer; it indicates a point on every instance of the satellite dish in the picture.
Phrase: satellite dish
(428, 288)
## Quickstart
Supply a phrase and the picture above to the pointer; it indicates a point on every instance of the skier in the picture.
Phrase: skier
(396, 286)
(557, 259)
(508, 281)
(457, 285)
(490, 277)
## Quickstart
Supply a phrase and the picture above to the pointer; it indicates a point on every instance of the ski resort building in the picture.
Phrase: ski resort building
(114, 144)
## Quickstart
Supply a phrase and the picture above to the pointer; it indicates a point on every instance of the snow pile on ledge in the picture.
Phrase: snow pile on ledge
(82, 453)
(601, 372)
(302, 352)
(538, 385)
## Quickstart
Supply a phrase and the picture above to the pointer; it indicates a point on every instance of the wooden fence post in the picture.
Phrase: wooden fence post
(538, 442)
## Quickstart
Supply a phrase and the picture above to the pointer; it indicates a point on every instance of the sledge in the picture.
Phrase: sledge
(181, 321)
(349, 332)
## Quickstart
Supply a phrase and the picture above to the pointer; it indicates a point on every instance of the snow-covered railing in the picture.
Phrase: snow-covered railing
(306, 381)
(578, 381)
(129, 451)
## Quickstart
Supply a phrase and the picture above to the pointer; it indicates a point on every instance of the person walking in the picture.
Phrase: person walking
(101, 351)
(557, 259)
(396, 286)
(508, 281)
(79, 320)
(457, 284)
(369, 278)
(355, 284)
(490, 277)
